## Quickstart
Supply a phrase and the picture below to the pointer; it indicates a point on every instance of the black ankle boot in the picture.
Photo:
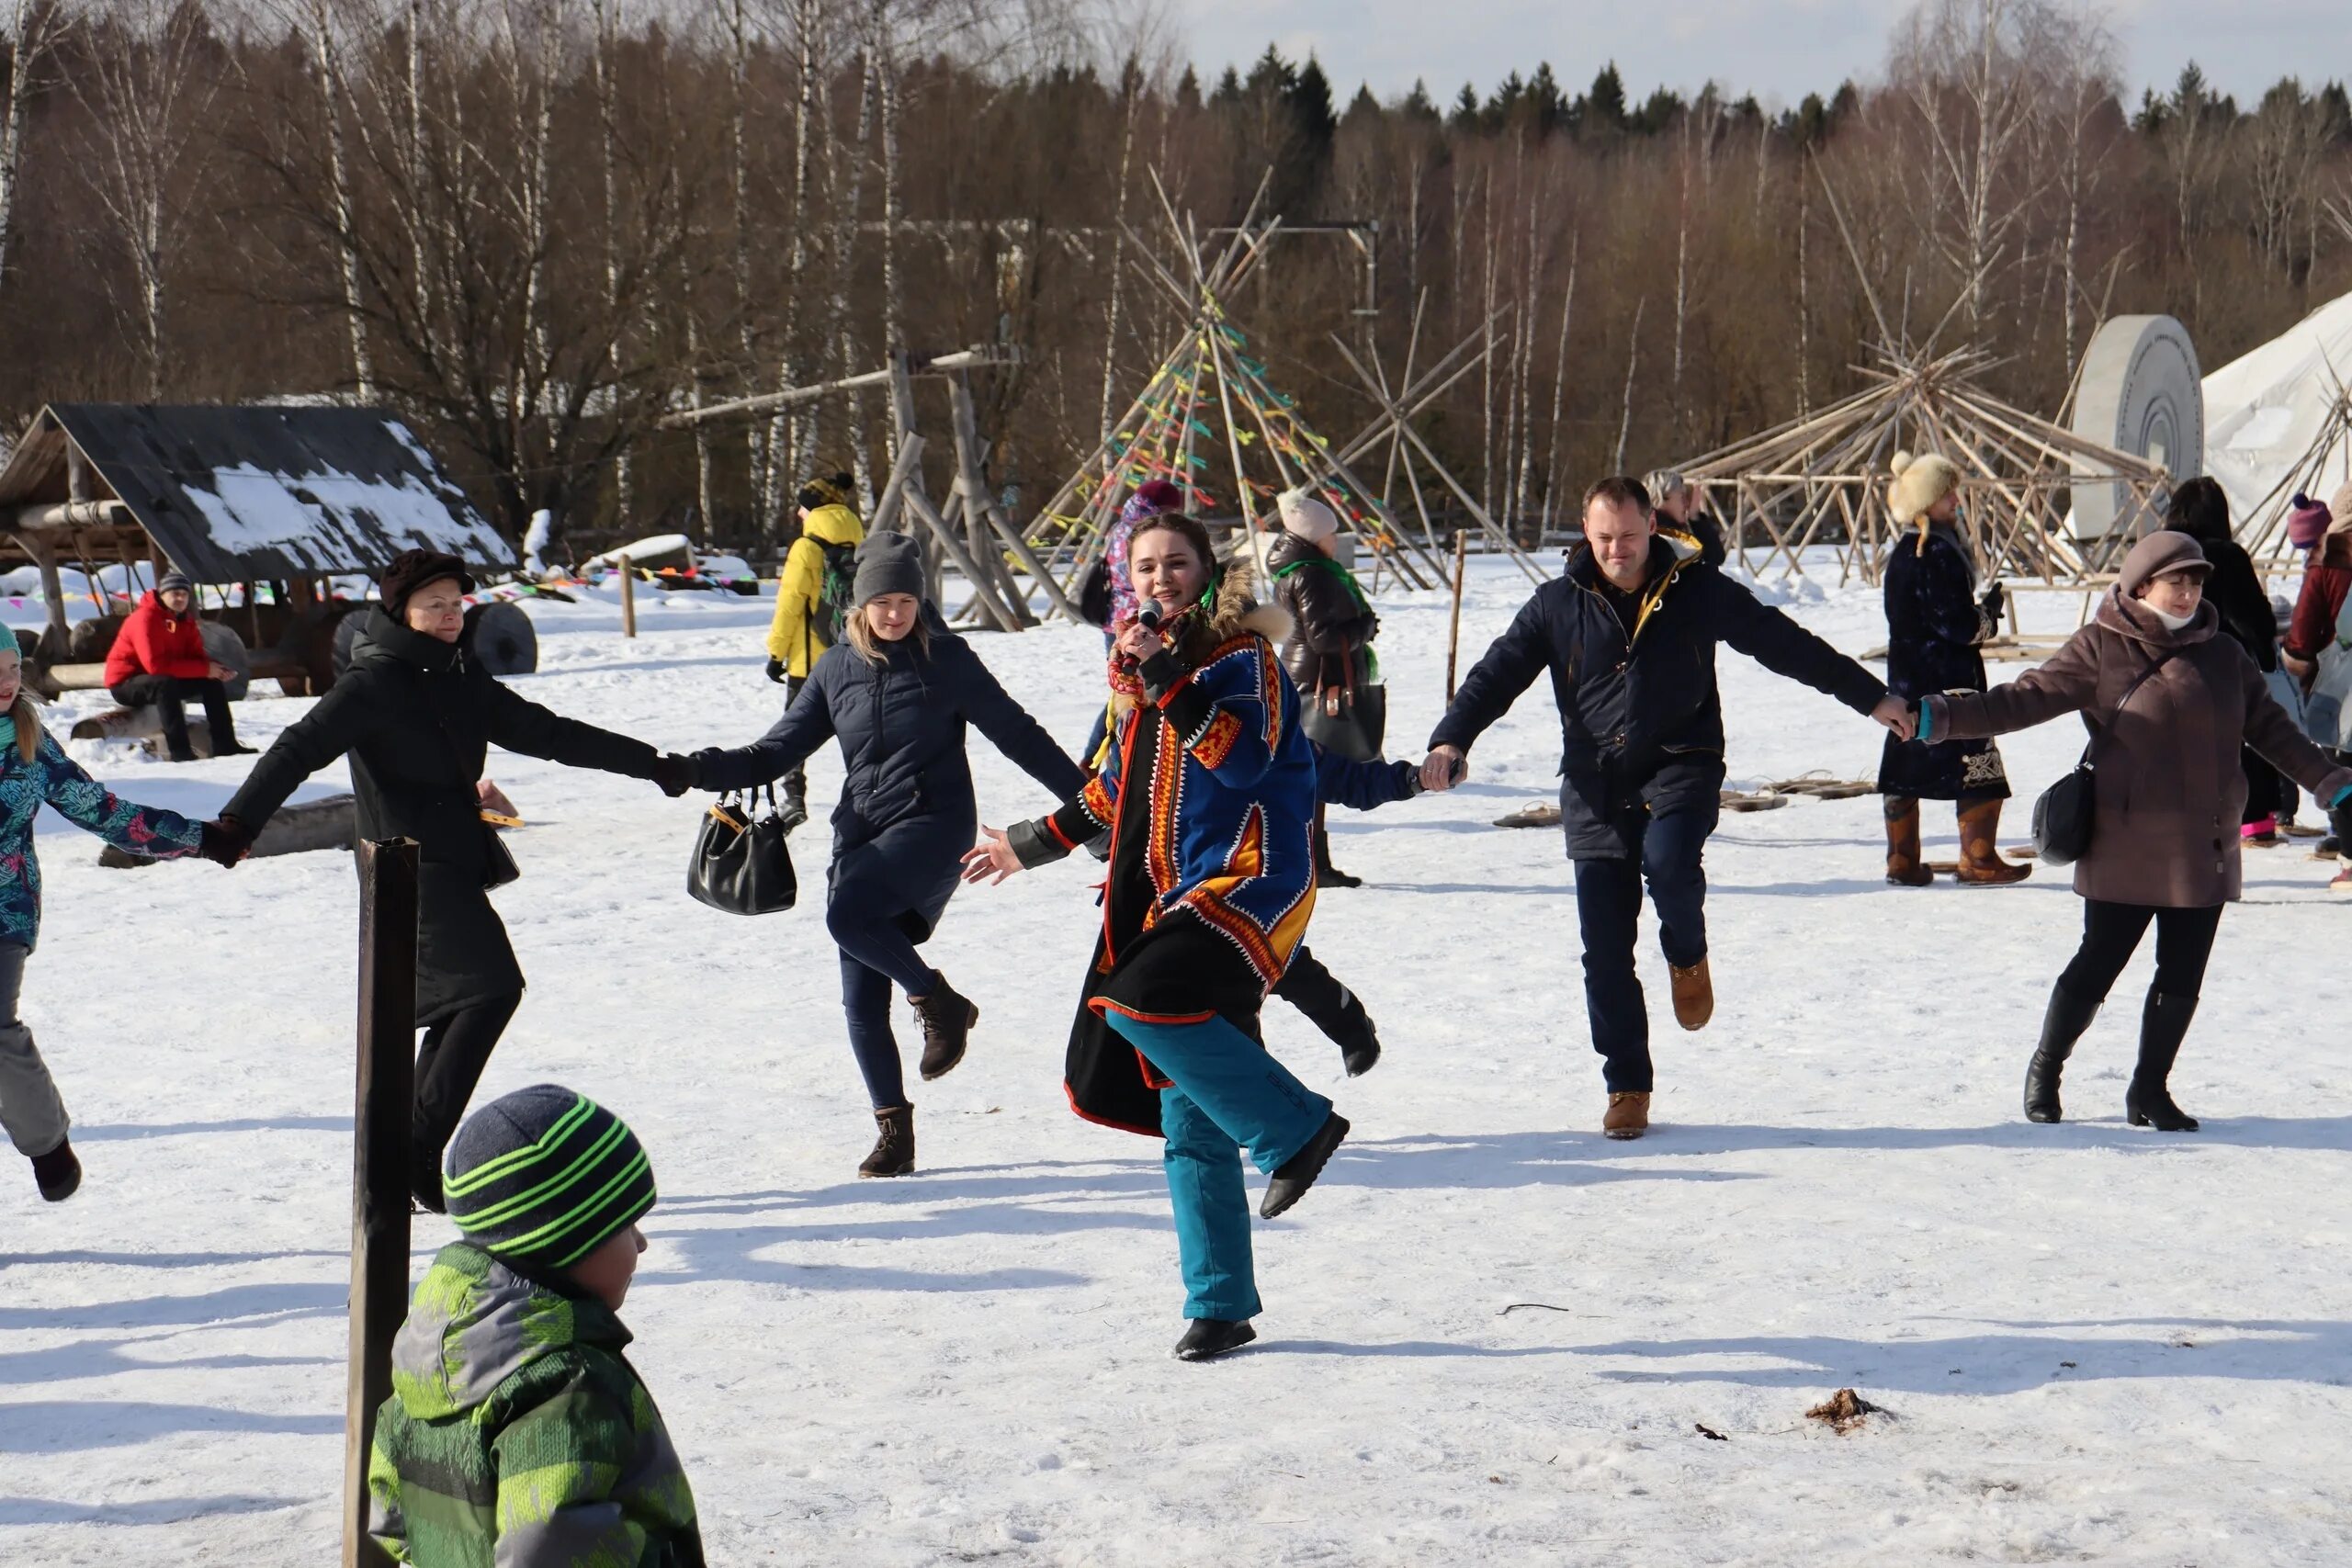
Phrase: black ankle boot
(59, 1172)
(1297, 1174)
(894, 1150)
(1207, 1337)
(2063, 1023)
(1359, 1045)
(2164, 1024)
(1325, 874)
(947, 1019)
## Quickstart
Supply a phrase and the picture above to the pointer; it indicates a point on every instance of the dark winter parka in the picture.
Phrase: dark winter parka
(1331, 626)
(1641, 721)
(417, 717)
(2168, 790)
(1935, 625)
(906, 815)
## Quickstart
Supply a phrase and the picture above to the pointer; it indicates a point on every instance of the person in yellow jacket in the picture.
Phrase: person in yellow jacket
(811, 595)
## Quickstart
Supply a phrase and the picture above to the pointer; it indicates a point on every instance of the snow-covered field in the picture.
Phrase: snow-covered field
(2095, 1344)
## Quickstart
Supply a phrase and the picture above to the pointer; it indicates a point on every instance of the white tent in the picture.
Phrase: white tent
(2278, 419)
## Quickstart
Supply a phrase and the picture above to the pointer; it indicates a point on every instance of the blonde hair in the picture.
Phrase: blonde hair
(858, 632)
(21, 711)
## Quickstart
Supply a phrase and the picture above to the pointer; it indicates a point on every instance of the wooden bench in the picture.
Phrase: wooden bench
(328, 824)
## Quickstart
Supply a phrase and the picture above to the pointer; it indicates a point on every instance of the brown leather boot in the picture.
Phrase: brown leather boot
(894, 1151)
(948, 1019)
(1980, 855)
(1694, 993)
(1628, 1115)
(1904, 866)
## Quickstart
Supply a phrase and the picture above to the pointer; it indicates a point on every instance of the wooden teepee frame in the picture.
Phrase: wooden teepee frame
(1207, 410)
(2264, 530)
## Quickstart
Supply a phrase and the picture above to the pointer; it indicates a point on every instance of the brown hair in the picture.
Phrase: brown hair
(1618, 490)
(858, 633)
(21, 711)
(1195, 531)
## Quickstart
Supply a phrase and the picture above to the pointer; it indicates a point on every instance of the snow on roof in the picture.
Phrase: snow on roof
(2264, 408)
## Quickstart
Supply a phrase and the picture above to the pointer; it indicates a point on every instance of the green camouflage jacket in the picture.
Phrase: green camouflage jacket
(517, 1436)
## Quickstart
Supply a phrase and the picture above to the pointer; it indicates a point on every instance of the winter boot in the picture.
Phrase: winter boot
(2164, 1024)
(1904, 866)
(1980, 856)
(1359, 1045)
(1628, 1115)
(2063, 1023)
(1210, 1337)
(2260, 834)
(58, 1172)
(947, 1019)
(1694, 993)
(795, 809)
(1325, 874)
(1297, 1174)
(894, 1150)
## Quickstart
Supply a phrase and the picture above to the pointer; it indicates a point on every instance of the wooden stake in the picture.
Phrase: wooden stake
(380, 1164)
(628, 597)
(1454, 632)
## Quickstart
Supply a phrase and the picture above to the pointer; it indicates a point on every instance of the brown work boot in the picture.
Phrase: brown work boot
(947, 1019)
(1628, 1116)
(1980, 855)
(894, 1150)
(1694, 993)
(1904, 866)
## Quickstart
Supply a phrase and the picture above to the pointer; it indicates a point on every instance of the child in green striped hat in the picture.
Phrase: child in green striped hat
(517, 1432)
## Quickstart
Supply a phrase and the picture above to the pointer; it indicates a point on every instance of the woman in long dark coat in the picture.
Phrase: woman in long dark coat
(898, 699)
(2200, 509)
(417, 716)
(2169, 701)
(1935, 622)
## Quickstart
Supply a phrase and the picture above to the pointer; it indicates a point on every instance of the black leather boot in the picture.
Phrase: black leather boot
(2164, 1024)
(58, 1173)
(1208, 1337)
(2061, 1025)
(894, 1150)
(1295, 1175)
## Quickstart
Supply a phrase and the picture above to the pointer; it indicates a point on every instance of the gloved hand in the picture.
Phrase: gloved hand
(675, 773)
(776, 670)
(1996, 600)
(225, 842)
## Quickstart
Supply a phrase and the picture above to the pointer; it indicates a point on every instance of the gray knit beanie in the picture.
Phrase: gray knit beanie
(172, 580)
(546, 1175)
(887, 563)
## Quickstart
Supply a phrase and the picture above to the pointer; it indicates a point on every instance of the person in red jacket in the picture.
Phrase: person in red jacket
(158, 658)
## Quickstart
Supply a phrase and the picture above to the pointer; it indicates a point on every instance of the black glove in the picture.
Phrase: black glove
(224, 843)
(777, 672)
(675, 773)
(1996, 599)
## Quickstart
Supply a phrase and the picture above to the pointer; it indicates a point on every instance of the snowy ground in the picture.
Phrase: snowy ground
(2096, 1344)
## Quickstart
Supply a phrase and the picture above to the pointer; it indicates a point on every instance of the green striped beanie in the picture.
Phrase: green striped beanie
(546, 1175)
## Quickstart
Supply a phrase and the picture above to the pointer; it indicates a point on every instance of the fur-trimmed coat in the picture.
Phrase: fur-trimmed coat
(1208, 795)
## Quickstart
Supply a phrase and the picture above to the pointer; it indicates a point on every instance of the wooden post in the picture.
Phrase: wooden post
(1454, 632)
(379, 1162)
(628, 597)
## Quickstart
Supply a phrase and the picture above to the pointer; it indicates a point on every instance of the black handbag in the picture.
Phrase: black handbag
(1350, 720)
(2062, 815)
(740, 862)
(498, 867)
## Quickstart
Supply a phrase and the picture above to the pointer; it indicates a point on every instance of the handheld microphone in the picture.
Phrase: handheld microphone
(1150, 617)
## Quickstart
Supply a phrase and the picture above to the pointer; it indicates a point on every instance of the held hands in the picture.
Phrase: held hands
(673, 773)
(225, 842)
(1897, 716)
(992, 859)
(1443, 768)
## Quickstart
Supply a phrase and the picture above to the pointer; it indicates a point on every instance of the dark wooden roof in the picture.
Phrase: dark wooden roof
(232, 493)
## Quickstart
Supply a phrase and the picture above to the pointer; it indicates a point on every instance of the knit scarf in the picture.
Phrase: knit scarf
(1347, 579)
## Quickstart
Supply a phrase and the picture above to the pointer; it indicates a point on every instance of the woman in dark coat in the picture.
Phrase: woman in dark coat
(897, 698)
(417, 715)
(1936, 621)
(2169, 703)
(2201, 510)
(1328, 653)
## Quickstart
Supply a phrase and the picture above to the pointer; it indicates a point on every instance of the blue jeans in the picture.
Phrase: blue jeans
(1229, 1094)
(1609, 911)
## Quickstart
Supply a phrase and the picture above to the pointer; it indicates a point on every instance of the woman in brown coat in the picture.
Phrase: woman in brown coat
(2168, 793)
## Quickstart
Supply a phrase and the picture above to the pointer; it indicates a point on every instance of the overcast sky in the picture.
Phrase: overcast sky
(1777, 49)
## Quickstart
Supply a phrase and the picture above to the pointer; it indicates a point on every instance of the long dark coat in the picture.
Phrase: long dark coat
(1641, 720)
(906, 814)
(1934, 628)
(2168, 790)
(418, 717)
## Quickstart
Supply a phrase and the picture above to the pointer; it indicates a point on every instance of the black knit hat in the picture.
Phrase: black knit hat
(546, 1175)
(887, 563)
(412, 570)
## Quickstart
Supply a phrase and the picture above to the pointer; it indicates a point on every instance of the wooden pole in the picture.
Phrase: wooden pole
(628, 597)
(1454, 632)
(379, 1162)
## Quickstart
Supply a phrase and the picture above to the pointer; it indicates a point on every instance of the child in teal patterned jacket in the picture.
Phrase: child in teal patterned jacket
(35, 772)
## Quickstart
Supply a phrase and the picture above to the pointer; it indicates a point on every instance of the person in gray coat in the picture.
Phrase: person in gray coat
(897, 695)
(2168, 703)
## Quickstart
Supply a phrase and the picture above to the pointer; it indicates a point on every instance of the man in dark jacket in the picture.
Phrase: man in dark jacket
(1629, 634)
